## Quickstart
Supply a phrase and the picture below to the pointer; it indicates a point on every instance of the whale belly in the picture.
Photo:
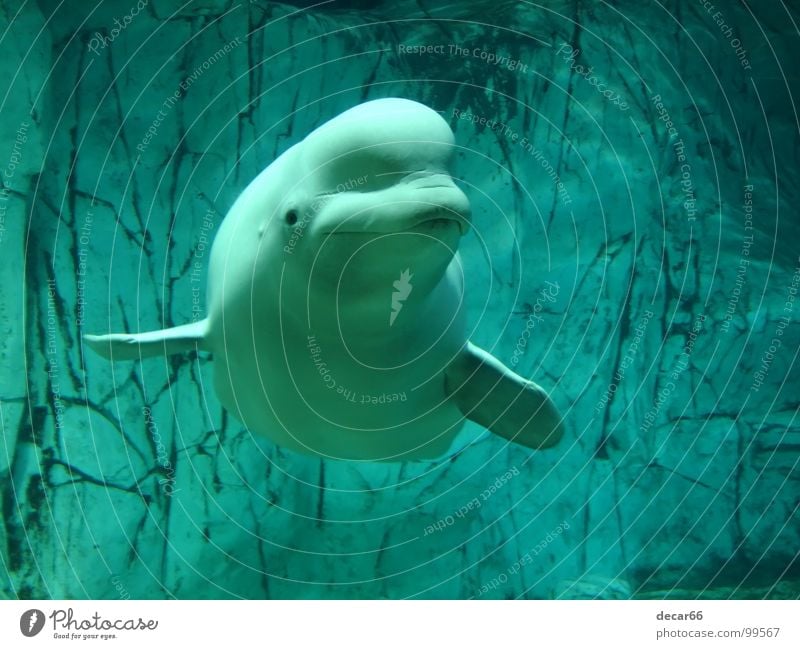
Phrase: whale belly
(319, 393)
(341, 413)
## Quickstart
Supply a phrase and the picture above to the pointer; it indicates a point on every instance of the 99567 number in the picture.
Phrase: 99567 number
(760, 631)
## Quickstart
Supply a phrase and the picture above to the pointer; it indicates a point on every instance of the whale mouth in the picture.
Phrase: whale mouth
(444, 203)
(440, 223)
(427, 202)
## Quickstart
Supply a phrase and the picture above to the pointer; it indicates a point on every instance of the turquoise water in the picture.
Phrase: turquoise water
(632, 173)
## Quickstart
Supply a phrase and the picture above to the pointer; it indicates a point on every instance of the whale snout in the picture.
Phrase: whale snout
(438, 200)
(433, 214)
(419, 199)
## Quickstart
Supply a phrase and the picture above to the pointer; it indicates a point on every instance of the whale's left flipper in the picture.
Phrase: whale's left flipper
(492, 395)
(125, 347)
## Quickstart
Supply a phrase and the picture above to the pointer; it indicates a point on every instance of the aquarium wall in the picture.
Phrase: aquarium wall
(633, 175)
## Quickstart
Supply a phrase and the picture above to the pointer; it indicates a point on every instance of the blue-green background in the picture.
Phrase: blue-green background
(682, 491)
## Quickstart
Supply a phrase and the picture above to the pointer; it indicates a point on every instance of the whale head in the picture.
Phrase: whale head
(374, 197)
(343, 214)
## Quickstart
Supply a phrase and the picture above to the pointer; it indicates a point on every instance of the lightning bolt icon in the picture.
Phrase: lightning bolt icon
(402, 291)
(32, 621)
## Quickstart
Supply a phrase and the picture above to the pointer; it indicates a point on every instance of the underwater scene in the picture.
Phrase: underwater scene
(382, 300)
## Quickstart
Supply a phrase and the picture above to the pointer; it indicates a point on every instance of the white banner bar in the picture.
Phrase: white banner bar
(400, 624)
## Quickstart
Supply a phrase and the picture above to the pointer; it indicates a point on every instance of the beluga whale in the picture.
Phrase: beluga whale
(335, 301)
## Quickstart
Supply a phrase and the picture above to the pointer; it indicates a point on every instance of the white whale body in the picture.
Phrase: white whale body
(335, 300)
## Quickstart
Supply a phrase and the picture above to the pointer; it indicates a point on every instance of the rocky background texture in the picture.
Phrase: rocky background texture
(633, 171)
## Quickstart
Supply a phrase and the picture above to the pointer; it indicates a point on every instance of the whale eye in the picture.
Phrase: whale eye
(291, 217)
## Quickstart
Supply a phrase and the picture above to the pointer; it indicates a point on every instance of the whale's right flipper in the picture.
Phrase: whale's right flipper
(492, 395)
(123, 347)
